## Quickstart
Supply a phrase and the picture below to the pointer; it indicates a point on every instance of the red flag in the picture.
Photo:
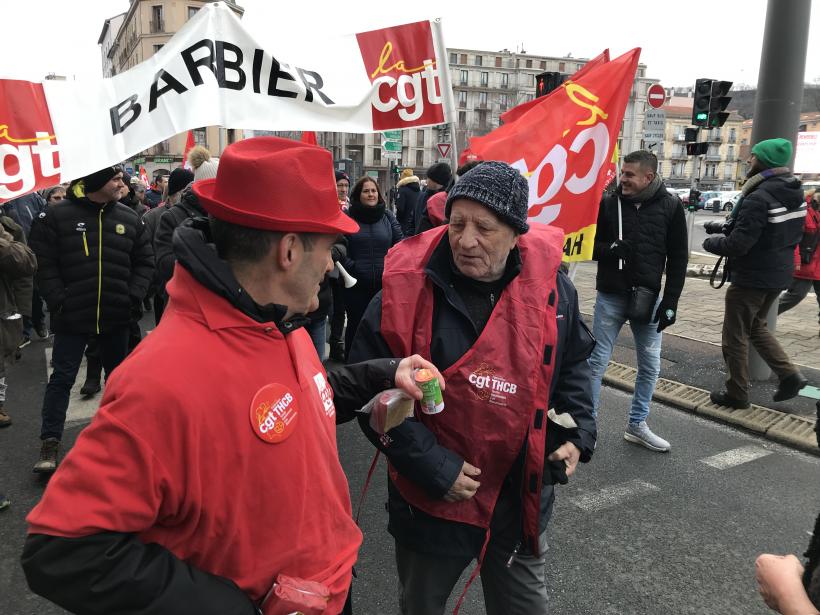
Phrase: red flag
(309, 137)
(563, 145)
(519, 110)
(144, 176)
(189, 145)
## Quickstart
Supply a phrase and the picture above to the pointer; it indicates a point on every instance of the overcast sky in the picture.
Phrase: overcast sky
(45, 36)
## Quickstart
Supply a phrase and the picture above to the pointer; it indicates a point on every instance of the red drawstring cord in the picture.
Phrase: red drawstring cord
(366, 485)
(475, 572)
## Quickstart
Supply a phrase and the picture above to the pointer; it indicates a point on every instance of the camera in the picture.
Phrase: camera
(716, 228)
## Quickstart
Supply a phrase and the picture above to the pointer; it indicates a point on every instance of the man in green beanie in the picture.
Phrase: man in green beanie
(758, 241)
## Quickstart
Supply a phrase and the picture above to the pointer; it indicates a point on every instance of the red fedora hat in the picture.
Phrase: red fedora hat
(276, 185)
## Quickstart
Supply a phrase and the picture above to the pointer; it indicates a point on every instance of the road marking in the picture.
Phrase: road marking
(715, 256)
(735, 457)
(80, 410)
(613, 496)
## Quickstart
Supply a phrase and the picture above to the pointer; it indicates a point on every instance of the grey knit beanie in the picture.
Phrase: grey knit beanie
(497, 186)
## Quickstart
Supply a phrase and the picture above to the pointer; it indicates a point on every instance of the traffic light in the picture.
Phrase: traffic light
(700, 106)
(696, 149)
(547, 82)
(718, 103)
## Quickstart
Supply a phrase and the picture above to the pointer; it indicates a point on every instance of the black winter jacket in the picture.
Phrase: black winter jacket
(188, 207)
(115, 572)
(95, 263)
(406, 200)
(764, 228)
(413, 449)
(657, 234)
(367, 248)
(25, 209)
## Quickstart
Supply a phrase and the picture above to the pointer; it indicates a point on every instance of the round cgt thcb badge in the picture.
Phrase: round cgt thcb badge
(274, 413)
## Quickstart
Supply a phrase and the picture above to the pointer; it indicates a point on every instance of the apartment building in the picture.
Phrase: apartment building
(720, 169)
(485, 85)
(134, 36)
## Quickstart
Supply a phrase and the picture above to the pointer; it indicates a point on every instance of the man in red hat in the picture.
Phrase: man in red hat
(209, 481)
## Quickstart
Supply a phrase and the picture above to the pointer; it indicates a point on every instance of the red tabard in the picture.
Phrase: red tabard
(497, 392)
(198, 469)
(811, 270)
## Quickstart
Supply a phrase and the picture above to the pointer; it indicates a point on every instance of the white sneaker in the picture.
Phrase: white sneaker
(639, 433)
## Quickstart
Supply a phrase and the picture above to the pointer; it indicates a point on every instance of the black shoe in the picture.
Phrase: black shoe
(337, 351)
(49, 452)
(722, 398)
(790, 386)
(90, 388)
(41, 331)
(4, 501)
(26, 341)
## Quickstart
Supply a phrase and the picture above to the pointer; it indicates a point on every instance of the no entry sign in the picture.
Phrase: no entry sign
(656, 96)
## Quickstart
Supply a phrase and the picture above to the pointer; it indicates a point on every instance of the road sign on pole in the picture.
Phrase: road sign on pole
(656, 96)
(654, 127)
(444, 149)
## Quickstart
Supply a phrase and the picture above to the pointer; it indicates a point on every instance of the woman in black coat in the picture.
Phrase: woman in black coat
(366, 249)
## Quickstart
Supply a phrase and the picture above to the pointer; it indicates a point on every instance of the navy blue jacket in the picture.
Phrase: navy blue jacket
(763, 230)
(25, 209)
(367, 248)
(413, 449)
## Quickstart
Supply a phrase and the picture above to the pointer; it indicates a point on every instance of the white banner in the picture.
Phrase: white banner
(807, 156)
(213, 73)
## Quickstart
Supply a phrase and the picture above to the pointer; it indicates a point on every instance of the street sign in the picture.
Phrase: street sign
(807, 157)
(391, 155)
(392, 135)
(654, 126)
(656, 96)
(392, 146)
(444, 149)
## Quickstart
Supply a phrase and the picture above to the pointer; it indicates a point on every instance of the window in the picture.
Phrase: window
(377, 155)
(156, 19)
(453, 58)
(157, 48)
(529, 63)
(463, 58)
(200, 137)
(731, 153)
(732, 135)
(543, 65)
(485, 78)
(420, 138)
(482, 120)
(462, 118)
(478, 61)
(482, 99)
(498, 61)
(192, 10)
(561, 66)
(462, 98)
(502, 101)
(464, 76)
(505, 80)
(420, 158)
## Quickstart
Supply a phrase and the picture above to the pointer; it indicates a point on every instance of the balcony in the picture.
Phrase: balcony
(679, 155)
(157, 25)
(713, 157)
(714, 137)
(680, 137)
(732, 139)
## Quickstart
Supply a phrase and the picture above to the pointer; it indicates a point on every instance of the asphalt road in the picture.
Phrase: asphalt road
(635, 532)
(698, 233)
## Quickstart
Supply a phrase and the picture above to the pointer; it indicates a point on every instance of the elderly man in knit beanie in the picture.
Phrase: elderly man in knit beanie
(94, 266)
(759, 240)
(485, 299)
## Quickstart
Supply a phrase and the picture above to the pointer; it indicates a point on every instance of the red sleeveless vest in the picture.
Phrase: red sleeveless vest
(497, 393)
(436, 207)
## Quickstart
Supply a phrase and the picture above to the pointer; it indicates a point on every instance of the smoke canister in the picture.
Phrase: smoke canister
(431, 402)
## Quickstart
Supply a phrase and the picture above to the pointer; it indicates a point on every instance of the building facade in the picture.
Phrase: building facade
(485, 85)
(134, 36)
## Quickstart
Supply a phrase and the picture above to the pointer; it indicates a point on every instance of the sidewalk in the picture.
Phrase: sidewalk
(700, 315)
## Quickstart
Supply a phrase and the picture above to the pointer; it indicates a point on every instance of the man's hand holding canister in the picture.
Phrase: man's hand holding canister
(666, 314)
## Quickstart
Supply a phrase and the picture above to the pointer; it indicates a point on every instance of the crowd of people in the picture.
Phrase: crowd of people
(177, 500)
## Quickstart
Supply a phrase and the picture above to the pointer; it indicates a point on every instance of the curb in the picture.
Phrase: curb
(795, 431)
(699, 270)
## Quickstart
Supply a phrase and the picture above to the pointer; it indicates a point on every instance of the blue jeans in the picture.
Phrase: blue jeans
(610, 316)
(318, 335)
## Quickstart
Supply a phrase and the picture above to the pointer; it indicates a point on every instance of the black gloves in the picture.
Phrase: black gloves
(666, 313)
(620, 248)
(714, 227)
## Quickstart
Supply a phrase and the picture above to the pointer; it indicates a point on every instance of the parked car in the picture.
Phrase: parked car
(706, 199)
(729, 199)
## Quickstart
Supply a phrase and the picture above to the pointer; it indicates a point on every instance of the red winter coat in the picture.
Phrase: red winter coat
(810, 271)
(203, 466)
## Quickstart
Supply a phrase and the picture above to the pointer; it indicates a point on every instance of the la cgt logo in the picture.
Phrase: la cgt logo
(401, 65)
(29, 156)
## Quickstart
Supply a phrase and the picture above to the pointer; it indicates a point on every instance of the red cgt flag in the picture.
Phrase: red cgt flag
(309, 137)
(563, 144)
(189, 145)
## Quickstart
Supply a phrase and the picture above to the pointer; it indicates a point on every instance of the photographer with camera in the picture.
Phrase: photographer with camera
(759, 240)
(806, 259)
